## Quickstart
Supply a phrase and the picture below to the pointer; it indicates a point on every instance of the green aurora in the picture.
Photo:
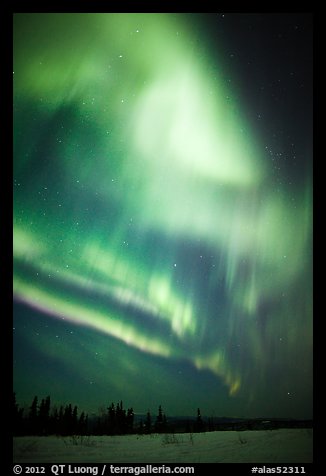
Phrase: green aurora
(146, 220)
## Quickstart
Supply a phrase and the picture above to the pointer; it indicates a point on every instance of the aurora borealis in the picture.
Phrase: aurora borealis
(162, 220)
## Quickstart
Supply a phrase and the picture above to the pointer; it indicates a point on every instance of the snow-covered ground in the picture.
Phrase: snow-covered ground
(270, 446)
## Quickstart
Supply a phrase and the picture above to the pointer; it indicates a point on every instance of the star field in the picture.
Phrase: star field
(163, 211)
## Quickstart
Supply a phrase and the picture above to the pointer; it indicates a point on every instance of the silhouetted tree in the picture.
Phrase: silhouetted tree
(67, 420)
(33, 418)
(54, 422)
(148, 423)
(111, 420)
(82, 424)
(85, 427)
(60, 426)
(14, 405)
(74, 421)
(160, 424)
(199, 426)
(44, 416)
(18, 422)
(130, 420)
(120, 426)
(33, 409)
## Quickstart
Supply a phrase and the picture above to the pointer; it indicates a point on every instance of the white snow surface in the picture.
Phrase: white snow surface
(270, 446)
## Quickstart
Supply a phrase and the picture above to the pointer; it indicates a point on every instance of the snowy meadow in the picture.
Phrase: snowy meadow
(268, 446)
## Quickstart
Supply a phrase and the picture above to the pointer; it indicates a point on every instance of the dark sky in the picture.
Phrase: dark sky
(162, 212)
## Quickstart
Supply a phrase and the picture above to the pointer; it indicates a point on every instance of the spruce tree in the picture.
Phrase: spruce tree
(111, 420)
(199, 426)
(61, 421)
(17, 416)
(130, 420)
(67, 420)
(44, 416)
(148, 423)
(33, 418)
(74, 421)
(82, 424)
(159, 420)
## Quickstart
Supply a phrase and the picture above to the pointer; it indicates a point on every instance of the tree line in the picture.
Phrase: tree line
(41, 419)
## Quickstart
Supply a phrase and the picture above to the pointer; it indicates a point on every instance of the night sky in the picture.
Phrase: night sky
(163, 212)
